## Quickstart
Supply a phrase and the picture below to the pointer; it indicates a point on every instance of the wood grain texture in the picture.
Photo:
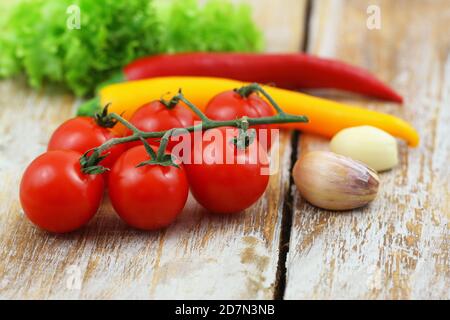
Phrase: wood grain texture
(200, 256)
(282, 22)
(397, 247)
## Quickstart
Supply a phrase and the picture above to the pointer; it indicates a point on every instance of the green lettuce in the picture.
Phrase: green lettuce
(216, 26)
(35, 39)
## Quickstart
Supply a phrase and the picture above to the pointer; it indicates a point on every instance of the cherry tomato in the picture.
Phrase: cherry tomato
(83, 133)
(56, 195)
(230, 105)
(221, 186)
(155, 116)
(149, 197)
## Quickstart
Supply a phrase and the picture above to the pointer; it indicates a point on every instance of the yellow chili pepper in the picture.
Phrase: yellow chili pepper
(326, 117)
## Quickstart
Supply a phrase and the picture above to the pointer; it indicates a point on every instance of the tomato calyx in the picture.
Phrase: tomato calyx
(246, 91)
(160, 158)
(170, 104)
(90, 160)
(245, 135)
(103, 118)
(166, 161)
(244, 139)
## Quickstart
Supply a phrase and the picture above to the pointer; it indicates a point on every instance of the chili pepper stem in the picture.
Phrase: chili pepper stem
(91, 161)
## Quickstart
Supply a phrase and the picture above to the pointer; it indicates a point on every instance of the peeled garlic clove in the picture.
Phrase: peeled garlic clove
(373, 146)
(334, 182)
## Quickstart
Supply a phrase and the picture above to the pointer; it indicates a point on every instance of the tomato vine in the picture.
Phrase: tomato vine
(91, 159)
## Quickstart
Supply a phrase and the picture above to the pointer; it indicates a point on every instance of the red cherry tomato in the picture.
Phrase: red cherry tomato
(155, 116)
(56, 195)
(83, 133)
(149, 197)
(223, 187)
(230, 105)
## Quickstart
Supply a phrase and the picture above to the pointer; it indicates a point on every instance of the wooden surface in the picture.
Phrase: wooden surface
(200, 256)
(398, 247)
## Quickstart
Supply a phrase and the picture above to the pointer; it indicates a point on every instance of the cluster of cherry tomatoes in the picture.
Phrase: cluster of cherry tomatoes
(58, 196)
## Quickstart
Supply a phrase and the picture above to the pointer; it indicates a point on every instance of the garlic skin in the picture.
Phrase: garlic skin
(373, 146)
(334, 182)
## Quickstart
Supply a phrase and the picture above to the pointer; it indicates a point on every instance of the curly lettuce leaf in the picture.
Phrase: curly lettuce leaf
(217, 25)
(112, 33)
(35, 38)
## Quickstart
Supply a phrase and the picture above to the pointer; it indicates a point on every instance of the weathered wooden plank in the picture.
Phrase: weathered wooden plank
(398, 247)
(282, 22)
(200, 256)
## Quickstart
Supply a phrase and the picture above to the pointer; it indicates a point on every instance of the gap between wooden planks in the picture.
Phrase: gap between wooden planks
(200, 256)
(398, 247)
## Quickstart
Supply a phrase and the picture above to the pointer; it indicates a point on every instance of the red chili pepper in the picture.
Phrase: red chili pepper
(289, 71)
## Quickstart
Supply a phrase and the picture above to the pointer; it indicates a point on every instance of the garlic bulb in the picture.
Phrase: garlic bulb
(331, 181)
